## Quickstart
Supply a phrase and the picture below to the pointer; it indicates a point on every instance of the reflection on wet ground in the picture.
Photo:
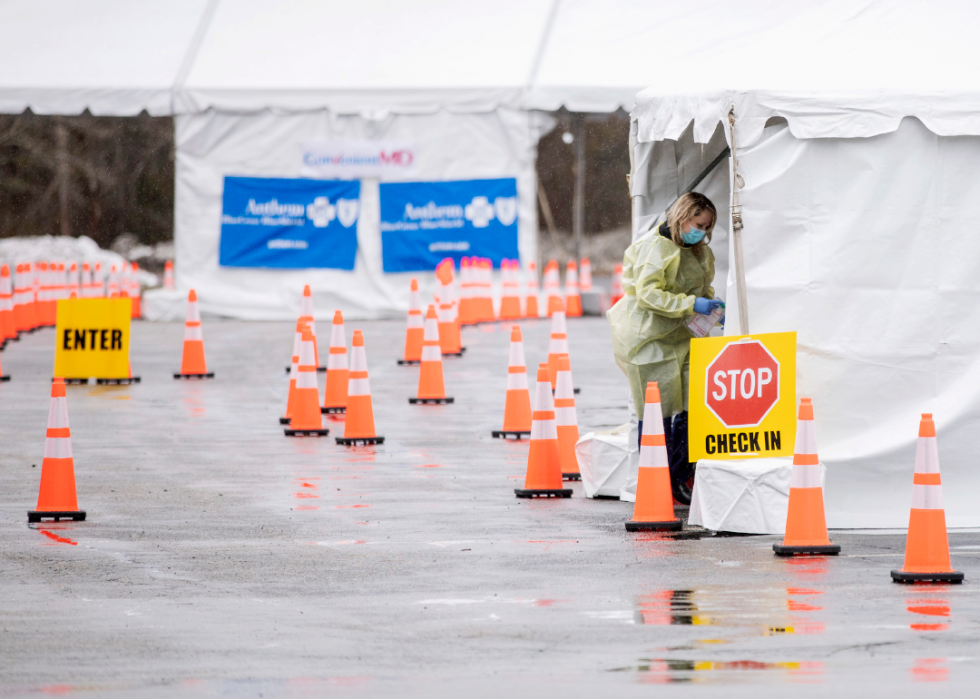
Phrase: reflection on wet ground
(669, 670)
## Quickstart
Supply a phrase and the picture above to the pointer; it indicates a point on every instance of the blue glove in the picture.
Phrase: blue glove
(705, 306)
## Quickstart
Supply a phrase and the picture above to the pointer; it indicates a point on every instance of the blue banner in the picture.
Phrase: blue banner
(289, 223)
(424, 222)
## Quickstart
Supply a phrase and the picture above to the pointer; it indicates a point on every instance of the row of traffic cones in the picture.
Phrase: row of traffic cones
(927, 544)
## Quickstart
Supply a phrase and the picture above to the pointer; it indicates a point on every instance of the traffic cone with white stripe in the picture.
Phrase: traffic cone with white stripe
(192, 365)
(414, 329)
(306, 313)
(450, 341)
(567, 420)
(335, 394)
(531, 299)
(585, 280)
(467, 293)
(73, 281)
(432, 389)
(654, 506)
(517, 408)
(927, 544)
(293, 371)
(305, 420)
(616, 288)
(806, 524)
(359, 426)
(558, 345)
(510, 296)
(543, 478)
(8, 330)
(573, 300)
(552, 289)
(168, 275)
(136, 291)
(57, 498)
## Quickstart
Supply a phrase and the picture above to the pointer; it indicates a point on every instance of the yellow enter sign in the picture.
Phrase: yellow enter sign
(92, 338)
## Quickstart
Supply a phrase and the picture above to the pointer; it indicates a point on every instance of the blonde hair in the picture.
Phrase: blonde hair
(688, 206)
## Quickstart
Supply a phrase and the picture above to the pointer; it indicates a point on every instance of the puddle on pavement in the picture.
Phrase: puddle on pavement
(929, 670)
(670, 670)
(931, 613)
(772, 611)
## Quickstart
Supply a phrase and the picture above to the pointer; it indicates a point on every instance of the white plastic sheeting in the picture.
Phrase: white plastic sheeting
(745, 496)
(603, 459)
(449, 147)
(863, 247)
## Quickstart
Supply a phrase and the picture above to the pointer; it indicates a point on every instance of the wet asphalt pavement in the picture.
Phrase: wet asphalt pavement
(221, 558)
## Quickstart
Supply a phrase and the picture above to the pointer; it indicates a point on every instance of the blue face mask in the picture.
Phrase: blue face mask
(693, 236)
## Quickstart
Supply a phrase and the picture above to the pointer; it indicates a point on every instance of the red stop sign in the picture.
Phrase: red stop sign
(742, 384)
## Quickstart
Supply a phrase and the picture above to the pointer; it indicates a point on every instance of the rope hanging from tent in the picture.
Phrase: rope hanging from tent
(737, 184)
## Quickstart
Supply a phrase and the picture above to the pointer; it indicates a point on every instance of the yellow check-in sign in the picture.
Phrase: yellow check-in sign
(742, 401)
(92, 338)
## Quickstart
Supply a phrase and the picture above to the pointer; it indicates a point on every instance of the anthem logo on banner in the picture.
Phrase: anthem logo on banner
(424, 222)
(289, 223)
(349, 159)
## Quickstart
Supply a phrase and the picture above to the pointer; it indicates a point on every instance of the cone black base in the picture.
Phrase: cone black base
(355, 441)
(543, 493)
(306, 433)
(452, 354)
(284, 421)
(781, 550)
(673, 525)
(4, 378)
(118, 382)
(332, 411)
(320, 369)
(36, 515)
(504, 434)
(953, 576)
(430, 401)
(409, 362)
(571, 476)
(576, 391)
(209, 375)
(73, 382)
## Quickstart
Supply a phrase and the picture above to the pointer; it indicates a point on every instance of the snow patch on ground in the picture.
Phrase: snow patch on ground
(65, 249)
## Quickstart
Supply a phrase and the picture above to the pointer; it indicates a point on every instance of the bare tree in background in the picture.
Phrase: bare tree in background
(85, 175)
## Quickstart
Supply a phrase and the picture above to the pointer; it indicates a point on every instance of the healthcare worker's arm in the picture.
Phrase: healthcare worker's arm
(655, 275)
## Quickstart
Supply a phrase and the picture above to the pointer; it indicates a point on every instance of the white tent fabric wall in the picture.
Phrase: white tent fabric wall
(862, 246)
(210, 146)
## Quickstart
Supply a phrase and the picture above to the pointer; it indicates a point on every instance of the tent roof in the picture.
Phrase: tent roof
(843, 68)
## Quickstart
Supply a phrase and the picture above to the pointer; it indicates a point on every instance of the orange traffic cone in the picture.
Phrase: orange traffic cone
(616, 287)
(57, 497)
(335, 393)
(306, 313)
(567, 420)
(573, 300)
(192, 365)
(510, 295)
(543, 477)
(414, 328)
(293, 370)
(450, 341)
(74, 281)
(517, 408)
(8, 330)
(168, 274)
(136, 291)
(585, 282)
(486, 312)
(305, 420)
(432, 390)
(359, 426)
(552, 290)
(806, 525)
(927, 545)
(654, 507)
(531, 300)
(467, 296)
(558, 345)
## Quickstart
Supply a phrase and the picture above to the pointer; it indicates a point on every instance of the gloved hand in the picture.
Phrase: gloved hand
(705, 306)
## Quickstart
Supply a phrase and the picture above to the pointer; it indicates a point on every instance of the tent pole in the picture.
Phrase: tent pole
(578, 211)
(737, 184)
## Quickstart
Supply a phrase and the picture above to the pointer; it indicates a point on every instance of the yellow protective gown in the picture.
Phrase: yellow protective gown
(650, 340)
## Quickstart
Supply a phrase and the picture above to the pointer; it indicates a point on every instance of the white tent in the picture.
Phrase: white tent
(251, 82)
(858, 134)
